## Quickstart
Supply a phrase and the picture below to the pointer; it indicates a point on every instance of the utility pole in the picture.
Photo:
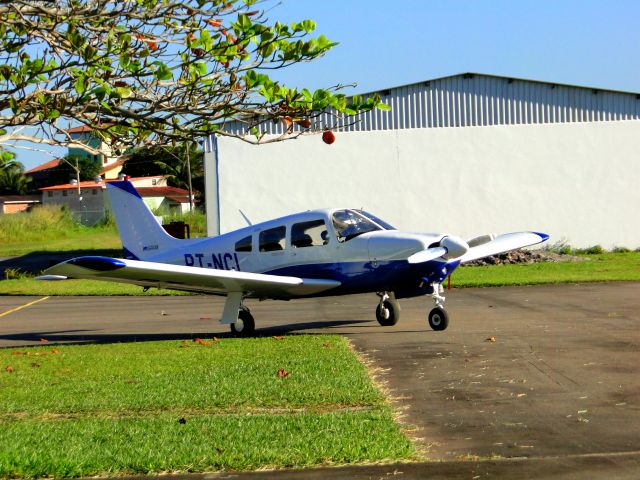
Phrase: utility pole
(189, 175)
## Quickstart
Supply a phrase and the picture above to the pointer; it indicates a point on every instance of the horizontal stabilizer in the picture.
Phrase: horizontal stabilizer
(190, 279)
(427, 255)
(504, 243)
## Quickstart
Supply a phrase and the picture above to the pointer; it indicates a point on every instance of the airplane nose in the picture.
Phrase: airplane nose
(456, 247)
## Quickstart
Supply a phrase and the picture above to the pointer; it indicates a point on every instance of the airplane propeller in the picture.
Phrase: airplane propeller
(450, 247)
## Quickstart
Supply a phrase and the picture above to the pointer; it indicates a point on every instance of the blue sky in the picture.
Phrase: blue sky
(388, 43)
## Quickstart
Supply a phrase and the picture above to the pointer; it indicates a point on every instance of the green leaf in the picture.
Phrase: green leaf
(123, 92)
(163, 72)
(81, 85)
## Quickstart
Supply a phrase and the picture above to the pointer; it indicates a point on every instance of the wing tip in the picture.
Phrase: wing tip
(543, 236)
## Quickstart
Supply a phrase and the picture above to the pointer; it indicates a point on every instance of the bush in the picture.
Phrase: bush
(620, 250)
(561, 247)
(594, 250)
(41, 222)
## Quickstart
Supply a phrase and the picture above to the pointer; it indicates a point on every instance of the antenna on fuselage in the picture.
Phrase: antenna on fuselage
(246, 219)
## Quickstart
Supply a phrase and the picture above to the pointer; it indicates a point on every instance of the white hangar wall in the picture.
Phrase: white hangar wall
(576, 181)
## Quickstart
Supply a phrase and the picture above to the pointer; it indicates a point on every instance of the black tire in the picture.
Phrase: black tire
(388, 313)
(245, 326)
(438, 319)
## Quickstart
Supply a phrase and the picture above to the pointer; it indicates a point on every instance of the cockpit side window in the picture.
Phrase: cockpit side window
(350, 224)
(309, 234)
(272, 239)
(244, 245)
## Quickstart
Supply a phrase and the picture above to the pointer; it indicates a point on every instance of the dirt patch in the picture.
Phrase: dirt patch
(525, 256)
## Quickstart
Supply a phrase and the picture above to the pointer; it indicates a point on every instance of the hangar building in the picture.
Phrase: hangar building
(465, 154)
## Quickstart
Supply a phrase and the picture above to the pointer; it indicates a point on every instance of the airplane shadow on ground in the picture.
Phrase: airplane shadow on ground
(35, 262)
(78, 337)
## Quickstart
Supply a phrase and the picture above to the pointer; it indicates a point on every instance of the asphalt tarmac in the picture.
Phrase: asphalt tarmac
(527, 382)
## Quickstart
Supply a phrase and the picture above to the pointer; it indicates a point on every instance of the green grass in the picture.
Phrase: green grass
(51, 228)
(31, 286)
(116, 409)
(606, 267)
(106, 239)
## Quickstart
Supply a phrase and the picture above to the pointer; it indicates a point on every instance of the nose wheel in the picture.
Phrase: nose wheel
(438, 319)
(388, 310)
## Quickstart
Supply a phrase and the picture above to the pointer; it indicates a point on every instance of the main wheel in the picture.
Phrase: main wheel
(245, 326)
(438, 319)
(388, 313)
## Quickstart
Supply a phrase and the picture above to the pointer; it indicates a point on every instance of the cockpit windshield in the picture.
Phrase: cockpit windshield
(350, 224)
(377, 220)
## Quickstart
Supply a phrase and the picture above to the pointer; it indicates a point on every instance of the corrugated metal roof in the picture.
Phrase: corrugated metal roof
(474, 100)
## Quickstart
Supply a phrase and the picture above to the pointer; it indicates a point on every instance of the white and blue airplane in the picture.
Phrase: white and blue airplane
(336, 251)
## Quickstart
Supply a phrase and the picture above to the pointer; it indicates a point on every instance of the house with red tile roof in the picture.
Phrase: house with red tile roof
(111, 166)
(88, 202)
(17, 203)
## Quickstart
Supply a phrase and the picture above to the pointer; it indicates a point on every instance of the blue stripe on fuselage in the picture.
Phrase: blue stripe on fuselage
(407, 280)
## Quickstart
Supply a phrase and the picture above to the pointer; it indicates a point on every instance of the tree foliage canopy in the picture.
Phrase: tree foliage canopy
(153, 71)
(12, 180)
(88, 169)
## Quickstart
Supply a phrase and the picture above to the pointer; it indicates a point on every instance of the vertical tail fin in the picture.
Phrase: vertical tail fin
(141, 234)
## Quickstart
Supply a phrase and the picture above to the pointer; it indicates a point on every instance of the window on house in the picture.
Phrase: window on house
(94, 191)
(64, 193)
(244, 245)
(309, 234)
(50, 193)
(272, 239)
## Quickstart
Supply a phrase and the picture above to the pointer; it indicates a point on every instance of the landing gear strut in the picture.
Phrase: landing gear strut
(388, 310)
(438, 318)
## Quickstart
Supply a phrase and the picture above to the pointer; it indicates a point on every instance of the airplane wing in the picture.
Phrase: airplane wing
(190, 279)
(503, 243)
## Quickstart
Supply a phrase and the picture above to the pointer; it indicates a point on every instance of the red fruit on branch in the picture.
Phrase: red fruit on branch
(328, 137)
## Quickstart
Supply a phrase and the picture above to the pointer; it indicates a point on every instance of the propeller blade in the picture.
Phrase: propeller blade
(427, 255)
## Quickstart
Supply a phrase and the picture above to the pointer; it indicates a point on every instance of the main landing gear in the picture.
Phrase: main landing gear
(388, 310)
(245, 325)
(237, 316)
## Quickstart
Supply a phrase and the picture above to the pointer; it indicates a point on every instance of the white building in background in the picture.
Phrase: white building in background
(466, 154)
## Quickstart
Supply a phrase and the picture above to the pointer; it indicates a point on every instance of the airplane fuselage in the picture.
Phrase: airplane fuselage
(370, 261)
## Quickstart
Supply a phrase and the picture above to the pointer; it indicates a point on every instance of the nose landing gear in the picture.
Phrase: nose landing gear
(438, 318)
